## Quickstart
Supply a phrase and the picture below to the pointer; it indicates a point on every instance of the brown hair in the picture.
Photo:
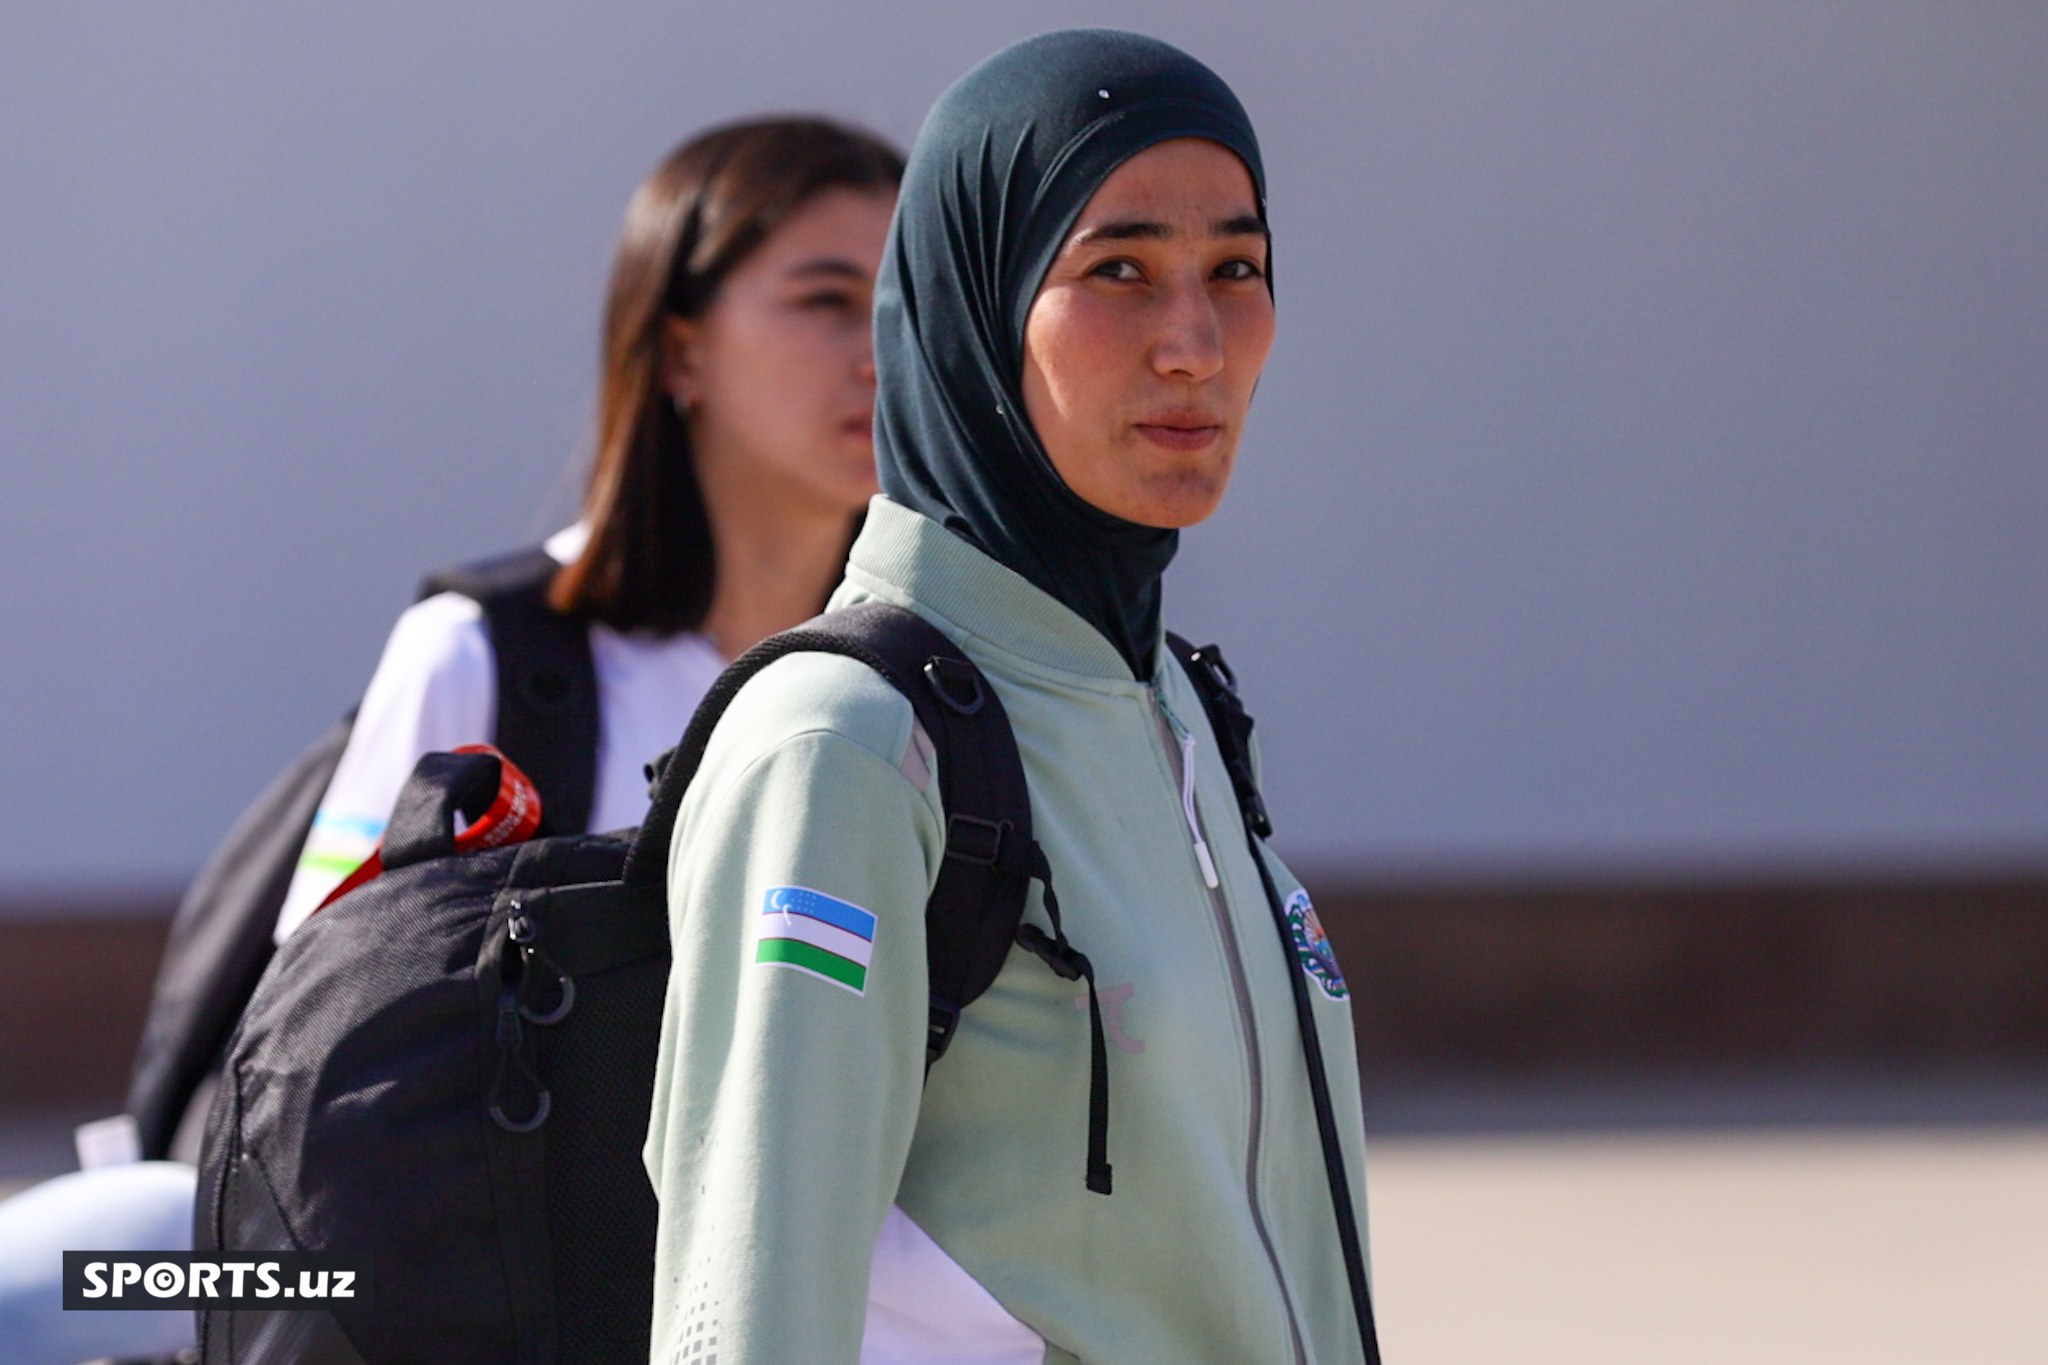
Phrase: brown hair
(714, 199)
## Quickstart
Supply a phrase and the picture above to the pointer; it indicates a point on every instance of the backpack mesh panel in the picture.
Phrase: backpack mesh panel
(601, 1209)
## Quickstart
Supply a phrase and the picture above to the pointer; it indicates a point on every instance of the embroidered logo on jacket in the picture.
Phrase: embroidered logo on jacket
(822, 935)
(1312, 946)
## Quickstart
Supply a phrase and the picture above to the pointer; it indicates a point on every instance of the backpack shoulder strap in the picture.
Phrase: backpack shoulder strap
(1216, 685)
(976, 908)
(547, 683)
(978, 902)
(220, 942)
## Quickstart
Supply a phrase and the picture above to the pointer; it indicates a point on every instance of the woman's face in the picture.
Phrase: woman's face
(778, 374)
(1146, 339)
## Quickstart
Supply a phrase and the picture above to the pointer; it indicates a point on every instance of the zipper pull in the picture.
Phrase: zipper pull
(1187, 805)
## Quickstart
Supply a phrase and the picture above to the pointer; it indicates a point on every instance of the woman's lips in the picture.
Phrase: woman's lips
(1181, 434)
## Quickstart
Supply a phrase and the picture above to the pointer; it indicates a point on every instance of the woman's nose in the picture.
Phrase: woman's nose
(1190, 341)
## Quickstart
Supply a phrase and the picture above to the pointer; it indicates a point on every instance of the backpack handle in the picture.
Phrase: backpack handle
(475, 781)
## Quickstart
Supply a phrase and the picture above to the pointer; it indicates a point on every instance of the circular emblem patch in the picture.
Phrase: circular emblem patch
(1312, 946)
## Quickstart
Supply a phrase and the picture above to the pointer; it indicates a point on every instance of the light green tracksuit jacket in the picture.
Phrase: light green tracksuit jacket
(791, 1108)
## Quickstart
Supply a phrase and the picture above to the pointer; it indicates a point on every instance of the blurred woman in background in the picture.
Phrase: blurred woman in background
(734, 455)
(735, 452)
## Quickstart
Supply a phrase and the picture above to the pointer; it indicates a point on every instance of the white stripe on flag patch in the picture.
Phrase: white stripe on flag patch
(831, 938)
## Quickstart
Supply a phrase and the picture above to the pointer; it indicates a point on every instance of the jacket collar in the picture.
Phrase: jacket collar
(903, 556)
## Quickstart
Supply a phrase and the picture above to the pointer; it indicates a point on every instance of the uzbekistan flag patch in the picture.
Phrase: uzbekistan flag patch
(815, 933)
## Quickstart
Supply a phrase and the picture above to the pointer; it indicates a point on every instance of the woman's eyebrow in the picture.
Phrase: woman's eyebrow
(836, 266)
(1123, 230)
(1146, 230)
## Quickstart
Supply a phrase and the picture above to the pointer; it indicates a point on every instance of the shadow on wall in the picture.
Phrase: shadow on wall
(1702, 976)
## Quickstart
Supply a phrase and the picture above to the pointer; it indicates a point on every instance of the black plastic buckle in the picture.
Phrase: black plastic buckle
(943, 1020)
(974, 840)
(657, 769)
(957, 684)
(1255, 809)
(1210, 657)
(1058, 954)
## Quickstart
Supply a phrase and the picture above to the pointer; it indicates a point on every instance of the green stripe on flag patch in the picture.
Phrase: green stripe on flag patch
(790, 952)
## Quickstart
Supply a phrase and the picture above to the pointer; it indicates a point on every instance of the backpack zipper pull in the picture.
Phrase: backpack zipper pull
(512, 1058)
(524, 935)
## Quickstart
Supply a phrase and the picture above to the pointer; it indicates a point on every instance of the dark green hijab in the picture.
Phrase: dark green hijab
(1006, 161)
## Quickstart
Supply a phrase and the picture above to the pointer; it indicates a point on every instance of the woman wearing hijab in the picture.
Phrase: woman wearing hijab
(1073, 311)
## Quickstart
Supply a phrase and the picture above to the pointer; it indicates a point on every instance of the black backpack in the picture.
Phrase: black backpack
(220, 940)
(449, 1069)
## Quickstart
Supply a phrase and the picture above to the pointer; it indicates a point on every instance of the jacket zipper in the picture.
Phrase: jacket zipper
(1180, 743)
(1187, 806)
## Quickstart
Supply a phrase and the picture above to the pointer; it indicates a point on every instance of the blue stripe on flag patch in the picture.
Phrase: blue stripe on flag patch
(801, 900)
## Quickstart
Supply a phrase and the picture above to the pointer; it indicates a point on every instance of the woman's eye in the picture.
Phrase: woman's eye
(1240, 269)
(1118, 269)
(831, 300)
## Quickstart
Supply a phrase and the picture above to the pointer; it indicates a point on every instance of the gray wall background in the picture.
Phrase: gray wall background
(1651, 475)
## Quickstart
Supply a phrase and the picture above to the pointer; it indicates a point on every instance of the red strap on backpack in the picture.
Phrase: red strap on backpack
(513, 817)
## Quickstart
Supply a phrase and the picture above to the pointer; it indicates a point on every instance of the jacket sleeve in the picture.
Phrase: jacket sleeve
(792, 1054)
(435, 687)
